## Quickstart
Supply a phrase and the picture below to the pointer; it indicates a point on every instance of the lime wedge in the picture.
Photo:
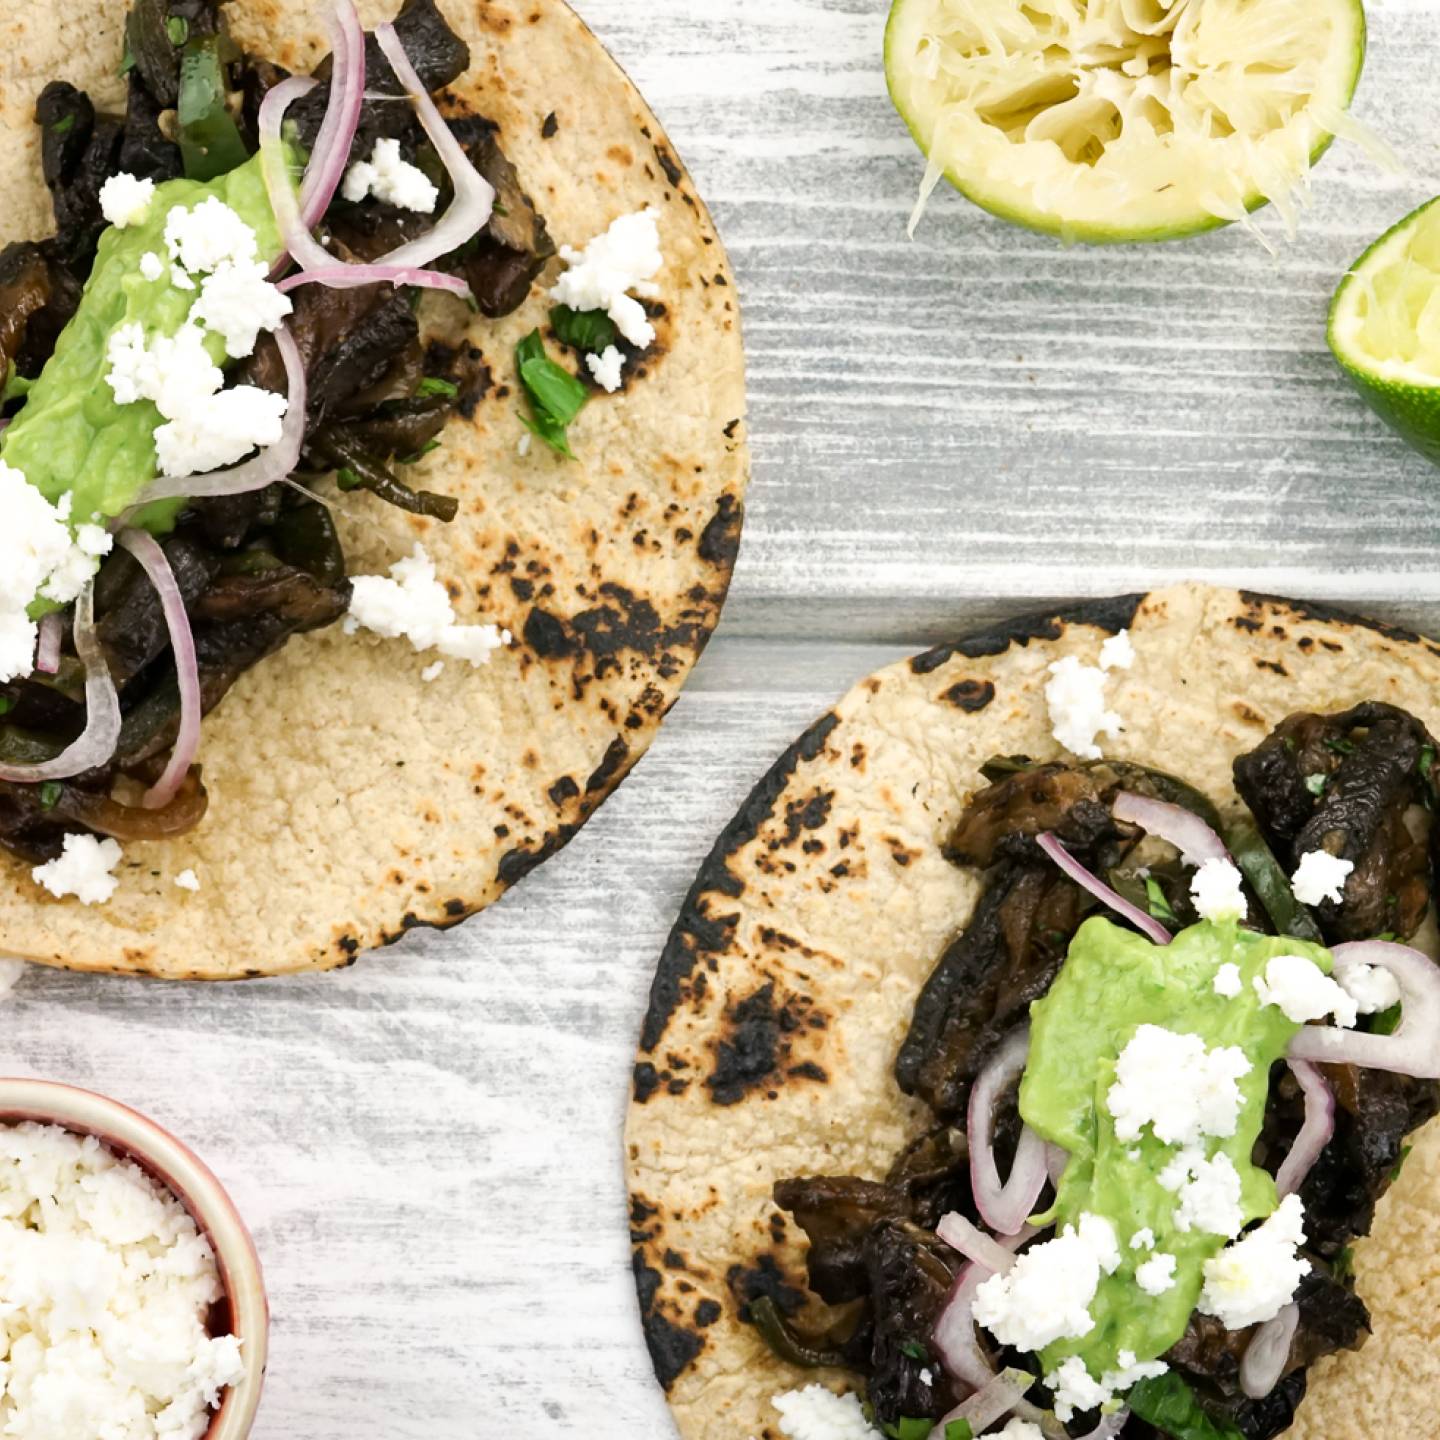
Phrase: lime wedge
(1105, 120)
(1385, 328)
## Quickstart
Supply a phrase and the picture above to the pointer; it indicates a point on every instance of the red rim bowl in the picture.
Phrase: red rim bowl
(180, 1170)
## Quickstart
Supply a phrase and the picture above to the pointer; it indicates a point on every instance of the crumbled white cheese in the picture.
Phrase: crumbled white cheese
(1045, 1295)
(1172, 1083)
(1215, 889)
(108, 1288)
(152, 267)
(1075, 697)
(388, 176)
(188, 880)
(607, 368)
(206, 427)
(1320, 876)
(1142, 1239)
(625, 258)
(82, 869)
(125, 200)
(433, 671)
(412, 603)
(1209, 1191)
(38, 556)
(1118, 652)
(523, 448)
(815, 1413)
(1254, 1279)
(1157, 1274)
(209, 235)
(1077, 1390)
(927, 1376)
(1372, 987)
(1018, 1429)
(1303, 992)
(237, 302)
(1227, 980)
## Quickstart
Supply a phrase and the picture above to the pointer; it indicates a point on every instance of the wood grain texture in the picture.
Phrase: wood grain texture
(427, 1144)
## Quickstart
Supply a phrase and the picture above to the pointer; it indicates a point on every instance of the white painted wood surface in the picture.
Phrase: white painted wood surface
(427, 1145)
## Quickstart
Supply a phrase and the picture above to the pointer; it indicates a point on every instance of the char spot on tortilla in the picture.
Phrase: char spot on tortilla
(971, 695)
(671, 1346)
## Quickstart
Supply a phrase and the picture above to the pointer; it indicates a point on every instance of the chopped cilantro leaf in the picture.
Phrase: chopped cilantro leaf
(127, 61)
(1341, 747)
(556, 396)
(347, 479)
(1400, 1163)
(436, 385)
(177, 27)
(1169, 1404)
(1344, 1263)
(591, 330)
(432, 444)
(7, 704)
(1427, 761)
(915, 1350)
(1156, 902)
(50, 793)
(63, 125)
(1316, 783)
(1387, 1021)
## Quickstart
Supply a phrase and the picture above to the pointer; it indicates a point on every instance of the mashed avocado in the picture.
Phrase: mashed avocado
(70, 435)
(1114, 981)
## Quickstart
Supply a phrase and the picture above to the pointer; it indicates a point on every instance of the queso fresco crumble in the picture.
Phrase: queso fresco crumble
(105, 1286)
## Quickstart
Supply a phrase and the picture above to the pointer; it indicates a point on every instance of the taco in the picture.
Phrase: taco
(1039, 1046)
(378, 397)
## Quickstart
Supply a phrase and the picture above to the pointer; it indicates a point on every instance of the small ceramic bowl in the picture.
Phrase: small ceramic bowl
(243, 1311)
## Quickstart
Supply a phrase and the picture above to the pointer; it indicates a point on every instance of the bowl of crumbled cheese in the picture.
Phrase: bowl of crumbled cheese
(131, 1298)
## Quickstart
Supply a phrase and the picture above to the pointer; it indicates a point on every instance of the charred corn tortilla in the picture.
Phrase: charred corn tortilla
(789, 981)
(350, 801)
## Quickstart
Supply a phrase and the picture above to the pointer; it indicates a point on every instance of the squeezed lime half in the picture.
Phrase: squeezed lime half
(1385, 328)
(1110, 120)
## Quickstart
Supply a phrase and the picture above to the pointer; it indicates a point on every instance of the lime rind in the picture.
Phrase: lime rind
(1285, 176)
(1384, 328)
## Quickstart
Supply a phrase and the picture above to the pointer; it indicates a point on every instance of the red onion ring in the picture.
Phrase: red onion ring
(348, 277)
(994, 1400)
(1003, 1207)
(474, 200)
(96, 743)
(1414, 1048)
(47, 651)
(1150, 927)
(146, 549)
(973, 1243)
(1267, 1352)
(1186, 831)
(273, 463)
(1315, 1133)
(300, 244)
(954, 1334)
(331, 151)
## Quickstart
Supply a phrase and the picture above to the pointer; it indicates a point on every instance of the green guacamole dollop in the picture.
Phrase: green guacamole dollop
(1113, 981)
(70, 435)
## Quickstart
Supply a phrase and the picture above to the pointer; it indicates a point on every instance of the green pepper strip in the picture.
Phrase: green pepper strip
(210, 142)
(778, 1335)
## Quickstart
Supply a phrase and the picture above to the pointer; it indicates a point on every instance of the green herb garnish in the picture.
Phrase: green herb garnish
(177, 27)
(909, 1427)
(418, 455)
(556, 396)
(1316, 783)
(1344, 1263)
(7, 704)
(1341, 747)
(1169, 1404)
(915, 1350)
(50, 793)
(1400, 1163)
(1387, 1021)
(436, 385)
(347, 479)
(127, 61)
(1157, 903)
(583, 329)
(63, 126)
